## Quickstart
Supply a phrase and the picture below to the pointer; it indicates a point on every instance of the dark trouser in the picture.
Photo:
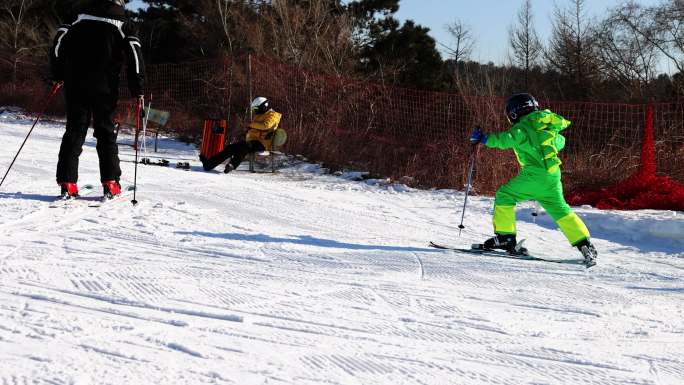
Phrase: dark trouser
(80, 110)
(236, 152)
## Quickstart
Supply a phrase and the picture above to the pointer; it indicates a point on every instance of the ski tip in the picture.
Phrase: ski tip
(436, 246)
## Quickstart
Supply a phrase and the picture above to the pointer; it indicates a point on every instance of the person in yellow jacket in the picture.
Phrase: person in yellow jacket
(259, 138)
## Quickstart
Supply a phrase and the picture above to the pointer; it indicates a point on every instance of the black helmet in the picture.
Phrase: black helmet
(259, 105)
(110, 9)
(520, 105)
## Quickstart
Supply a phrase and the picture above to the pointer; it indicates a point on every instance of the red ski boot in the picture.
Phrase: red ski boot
(68, 190)
(111, 188)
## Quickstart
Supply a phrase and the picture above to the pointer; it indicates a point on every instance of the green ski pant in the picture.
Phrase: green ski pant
(544, 188)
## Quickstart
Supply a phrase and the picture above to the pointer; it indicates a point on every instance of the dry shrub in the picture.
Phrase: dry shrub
(417, 137)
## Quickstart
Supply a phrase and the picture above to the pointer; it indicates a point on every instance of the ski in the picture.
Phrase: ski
(61, 201)
(503, 254)
(105, 200)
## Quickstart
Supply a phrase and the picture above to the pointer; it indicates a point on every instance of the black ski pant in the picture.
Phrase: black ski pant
(236, 152)
(81, 108)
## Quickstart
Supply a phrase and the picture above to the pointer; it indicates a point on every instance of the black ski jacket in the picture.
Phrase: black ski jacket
(88, 56)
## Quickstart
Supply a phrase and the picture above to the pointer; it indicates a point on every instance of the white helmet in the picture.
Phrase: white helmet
(259, 105)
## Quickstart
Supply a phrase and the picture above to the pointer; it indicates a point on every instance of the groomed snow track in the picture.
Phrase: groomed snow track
(305, 278)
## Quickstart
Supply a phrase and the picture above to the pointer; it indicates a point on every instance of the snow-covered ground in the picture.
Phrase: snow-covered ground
(306, 278)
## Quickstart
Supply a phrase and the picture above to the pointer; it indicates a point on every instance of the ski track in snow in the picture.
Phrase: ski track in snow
(305, 278)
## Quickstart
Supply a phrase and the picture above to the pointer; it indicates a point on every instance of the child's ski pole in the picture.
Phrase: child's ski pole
(473, 155)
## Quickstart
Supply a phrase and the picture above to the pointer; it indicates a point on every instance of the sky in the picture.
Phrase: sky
(489, 20)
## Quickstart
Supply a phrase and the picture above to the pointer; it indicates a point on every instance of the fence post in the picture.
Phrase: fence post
(252, 156)
(249, 81)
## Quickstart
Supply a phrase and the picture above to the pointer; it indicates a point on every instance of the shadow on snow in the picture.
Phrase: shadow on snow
(305, 240)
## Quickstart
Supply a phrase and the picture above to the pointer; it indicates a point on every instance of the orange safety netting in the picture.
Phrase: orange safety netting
(419, 137)
(643, 190)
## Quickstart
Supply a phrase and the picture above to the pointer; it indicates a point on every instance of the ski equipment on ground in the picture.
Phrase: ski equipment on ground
(55, 89)
(160, 162)
(183, 165)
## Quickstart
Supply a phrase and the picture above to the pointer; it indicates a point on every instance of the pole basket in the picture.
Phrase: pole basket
(214, 137)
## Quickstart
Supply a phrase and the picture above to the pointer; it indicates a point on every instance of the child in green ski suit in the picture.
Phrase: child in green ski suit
(536, 140)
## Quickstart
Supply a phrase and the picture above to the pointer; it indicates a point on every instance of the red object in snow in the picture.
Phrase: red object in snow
(214, 137)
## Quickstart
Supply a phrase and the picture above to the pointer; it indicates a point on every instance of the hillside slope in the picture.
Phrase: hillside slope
(306, 278)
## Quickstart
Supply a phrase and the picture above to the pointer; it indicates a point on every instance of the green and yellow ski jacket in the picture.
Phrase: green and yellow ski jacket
(535, 139)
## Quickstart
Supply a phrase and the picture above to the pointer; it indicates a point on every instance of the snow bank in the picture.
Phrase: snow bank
(10, 112)
(649, 230)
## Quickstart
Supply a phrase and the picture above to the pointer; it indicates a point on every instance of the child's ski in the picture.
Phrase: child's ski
(504, 254)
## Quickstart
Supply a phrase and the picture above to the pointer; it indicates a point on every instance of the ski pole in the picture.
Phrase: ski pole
(141, 102)
(473, 155)
(55, 89)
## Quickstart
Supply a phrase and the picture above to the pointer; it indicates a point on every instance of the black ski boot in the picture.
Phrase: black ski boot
(588, 252)
(229, 168)
(204, 160)
(505, 242)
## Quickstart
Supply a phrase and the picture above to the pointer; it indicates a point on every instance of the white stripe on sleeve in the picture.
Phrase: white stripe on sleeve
(135, 56)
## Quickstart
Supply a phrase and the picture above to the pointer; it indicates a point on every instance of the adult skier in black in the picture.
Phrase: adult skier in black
(87, 56)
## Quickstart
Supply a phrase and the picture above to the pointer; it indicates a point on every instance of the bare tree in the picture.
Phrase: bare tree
(462, 47)
(19, 38)
(661, 25)
(314, 33)
(524, 42)
(463, 41)
(226, 15)
(625, 55)
(236, 20)
(571, 49)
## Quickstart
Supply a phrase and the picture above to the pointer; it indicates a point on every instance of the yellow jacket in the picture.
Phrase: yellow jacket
(263, 126)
